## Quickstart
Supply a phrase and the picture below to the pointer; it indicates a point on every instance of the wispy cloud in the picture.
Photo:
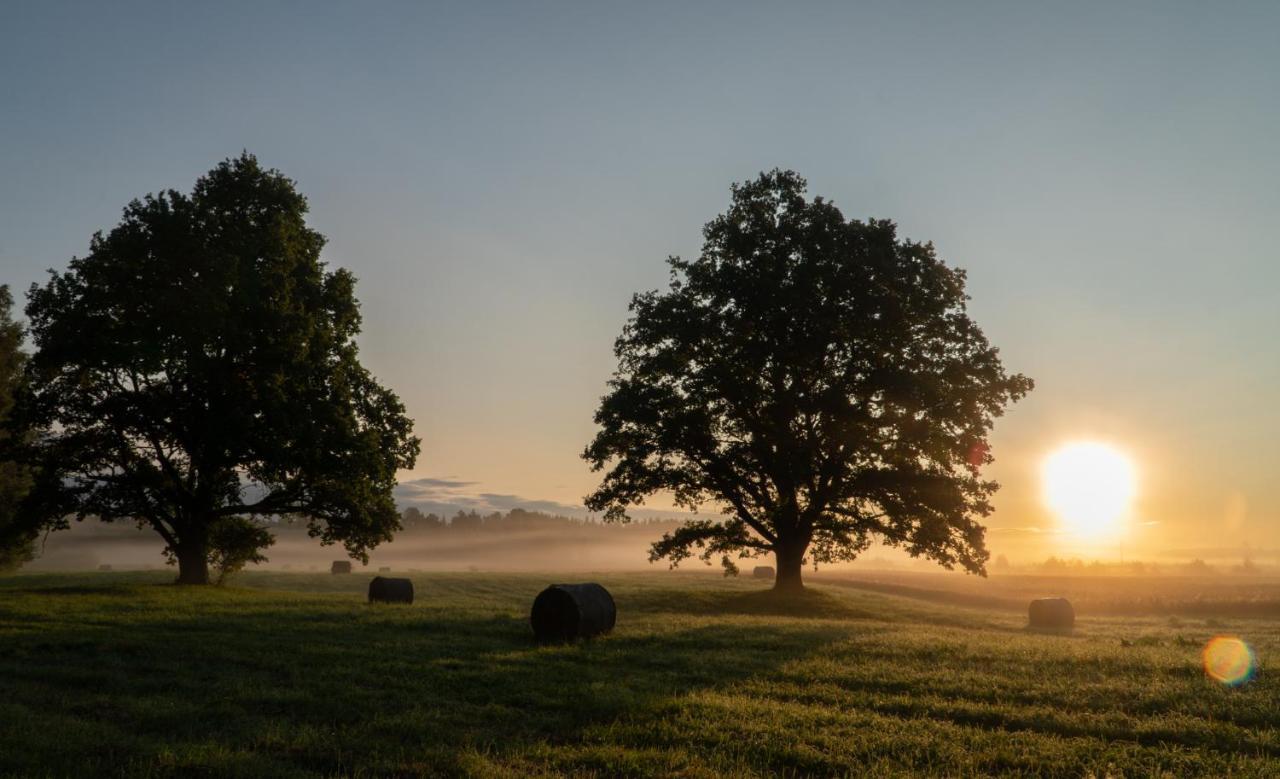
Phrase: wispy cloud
(447, 496)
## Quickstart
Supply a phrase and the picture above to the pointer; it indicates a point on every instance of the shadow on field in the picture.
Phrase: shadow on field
(217, 684)
(77, 590)
(810, 603)
(946, 597)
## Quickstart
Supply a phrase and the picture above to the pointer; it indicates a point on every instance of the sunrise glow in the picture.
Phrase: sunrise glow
(1090, 487)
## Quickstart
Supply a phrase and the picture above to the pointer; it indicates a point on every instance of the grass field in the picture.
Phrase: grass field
(110, 674)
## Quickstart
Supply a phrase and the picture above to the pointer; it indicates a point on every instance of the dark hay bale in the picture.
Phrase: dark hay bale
(384, 589)
(340, 566)
(104, 567)
(385, 569)
(566, 612)
(762, 572)
(1053, 614)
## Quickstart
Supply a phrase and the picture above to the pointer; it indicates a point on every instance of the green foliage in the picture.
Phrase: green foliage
(292, 675)
(818, 380)
(201, 363)
(234, 542)
(17, 540)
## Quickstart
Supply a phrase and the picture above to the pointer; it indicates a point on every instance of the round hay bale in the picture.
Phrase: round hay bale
(340, 566)
(566, 612)
(762, 572)
(384, 589)
(1051, 614)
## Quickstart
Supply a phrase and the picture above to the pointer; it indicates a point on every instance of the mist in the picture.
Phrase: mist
(462, 539)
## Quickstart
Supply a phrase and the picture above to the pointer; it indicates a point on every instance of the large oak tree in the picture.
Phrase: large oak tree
(17, 539)
(817, 380)
(200, 365)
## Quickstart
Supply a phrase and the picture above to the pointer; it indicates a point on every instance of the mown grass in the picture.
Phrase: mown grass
(121, 674)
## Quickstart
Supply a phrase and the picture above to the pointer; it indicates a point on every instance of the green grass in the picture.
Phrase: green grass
(295, 675)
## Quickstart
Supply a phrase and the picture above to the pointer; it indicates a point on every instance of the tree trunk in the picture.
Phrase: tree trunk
(790, 563)
(193, 562)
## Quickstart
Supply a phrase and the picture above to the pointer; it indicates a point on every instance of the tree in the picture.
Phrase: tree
(201, 363)
(818, 380)
(234, 542)
(411, 517)
(466, 520)
(17, 540)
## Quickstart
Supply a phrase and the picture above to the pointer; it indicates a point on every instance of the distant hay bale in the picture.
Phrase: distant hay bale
(1051, 614)
(567, 612)
(340, 566)
(762, 572)
(385, 569)
(104, 567)
(384, 589)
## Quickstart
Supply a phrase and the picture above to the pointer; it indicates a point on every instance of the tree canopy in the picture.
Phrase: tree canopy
(17, 539)
(199, 364)
(817, 380)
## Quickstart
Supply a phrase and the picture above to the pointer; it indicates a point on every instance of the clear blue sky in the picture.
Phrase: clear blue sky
(501, 177)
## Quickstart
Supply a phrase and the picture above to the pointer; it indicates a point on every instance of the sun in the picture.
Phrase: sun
(1090, 486)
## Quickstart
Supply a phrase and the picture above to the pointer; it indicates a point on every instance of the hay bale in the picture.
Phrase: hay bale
(762, 572)
(104, 567)
(567, 612)
(385, 569)
(1051, 614)
(384, 589)
(340, 566)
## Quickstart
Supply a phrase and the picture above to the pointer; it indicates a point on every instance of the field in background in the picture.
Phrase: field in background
(1211, 595)
(290, 674)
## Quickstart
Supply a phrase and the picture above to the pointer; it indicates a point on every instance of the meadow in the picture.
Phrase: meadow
(294, 674)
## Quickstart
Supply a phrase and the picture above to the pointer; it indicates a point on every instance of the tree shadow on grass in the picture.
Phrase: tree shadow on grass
(808, 603)
(338, 688)
(77, 589)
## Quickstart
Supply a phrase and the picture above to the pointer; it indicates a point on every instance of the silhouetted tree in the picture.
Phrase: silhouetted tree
(466, 520)
(201, 363)
(17, 539)
(234, 542)
(411, 517)
(817, 379)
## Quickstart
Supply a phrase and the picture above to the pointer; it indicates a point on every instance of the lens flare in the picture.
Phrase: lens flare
(1229, 660)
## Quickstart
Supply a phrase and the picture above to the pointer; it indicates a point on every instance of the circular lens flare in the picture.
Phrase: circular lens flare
(1229, 660)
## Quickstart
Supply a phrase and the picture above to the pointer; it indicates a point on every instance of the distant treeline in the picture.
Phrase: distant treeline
(414, 521)
(1074, 565)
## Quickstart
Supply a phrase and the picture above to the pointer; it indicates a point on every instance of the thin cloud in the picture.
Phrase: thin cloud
(447, 496)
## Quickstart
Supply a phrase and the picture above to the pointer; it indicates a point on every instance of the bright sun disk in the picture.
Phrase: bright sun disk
(1089, 485)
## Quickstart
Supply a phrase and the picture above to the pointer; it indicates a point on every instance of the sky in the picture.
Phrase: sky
(501, 178)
